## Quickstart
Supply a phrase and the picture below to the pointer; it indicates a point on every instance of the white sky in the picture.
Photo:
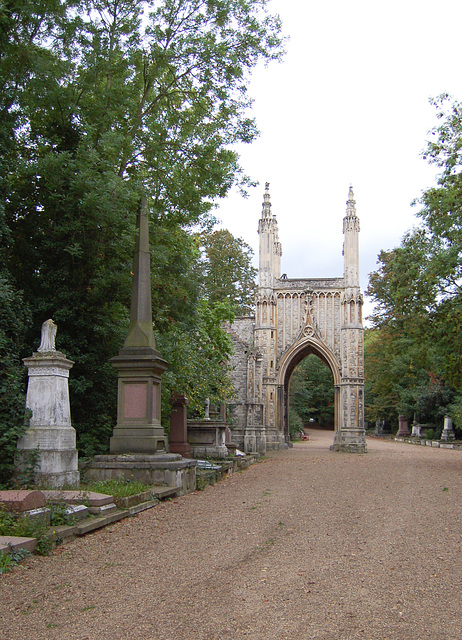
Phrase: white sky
(349, 104)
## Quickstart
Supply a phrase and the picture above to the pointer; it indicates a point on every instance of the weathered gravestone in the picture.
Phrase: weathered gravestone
(448, 430)
(50, 437)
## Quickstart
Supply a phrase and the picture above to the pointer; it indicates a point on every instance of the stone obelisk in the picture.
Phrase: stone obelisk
(139, 365)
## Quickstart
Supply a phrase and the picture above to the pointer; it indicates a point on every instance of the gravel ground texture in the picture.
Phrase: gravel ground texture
(306, 544)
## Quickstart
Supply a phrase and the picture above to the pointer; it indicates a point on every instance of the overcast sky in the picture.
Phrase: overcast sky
(349, 105)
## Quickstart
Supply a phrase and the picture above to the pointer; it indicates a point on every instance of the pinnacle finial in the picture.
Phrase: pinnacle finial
(351, 203)
(266, 211)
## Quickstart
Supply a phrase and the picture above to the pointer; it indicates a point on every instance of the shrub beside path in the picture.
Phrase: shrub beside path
(307, 544)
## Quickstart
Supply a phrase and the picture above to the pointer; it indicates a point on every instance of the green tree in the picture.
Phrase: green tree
(197, 351)
(228, 271)
(311, 392)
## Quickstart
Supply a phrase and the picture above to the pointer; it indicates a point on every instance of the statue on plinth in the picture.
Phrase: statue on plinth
(48, 337)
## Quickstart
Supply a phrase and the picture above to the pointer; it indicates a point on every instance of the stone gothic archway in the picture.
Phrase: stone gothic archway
(295, 317)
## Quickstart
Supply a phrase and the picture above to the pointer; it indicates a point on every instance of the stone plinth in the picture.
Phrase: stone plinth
(350, 441)
(138, 428)
(168, 468)
(178, 437)
(403, 429)
(50, 432)
(207, 438)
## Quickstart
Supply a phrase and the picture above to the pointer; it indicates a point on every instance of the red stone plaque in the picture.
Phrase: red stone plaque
(135, 401)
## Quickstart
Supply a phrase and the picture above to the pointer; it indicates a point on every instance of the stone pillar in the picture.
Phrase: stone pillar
(50, 432)
(178, 426)
(403, 429)
(448, 431)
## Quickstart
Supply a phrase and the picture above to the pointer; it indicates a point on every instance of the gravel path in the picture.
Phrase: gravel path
(306, 544)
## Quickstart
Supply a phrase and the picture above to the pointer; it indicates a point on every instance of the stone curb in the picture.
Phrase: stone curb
(10, 543)
(437, 444)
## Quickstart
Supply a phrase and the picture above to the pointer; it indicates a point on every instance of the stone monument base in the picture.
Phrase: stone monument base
(146, 441)
(162, 468)
(350, 441)
(50, 454)
(207, 438)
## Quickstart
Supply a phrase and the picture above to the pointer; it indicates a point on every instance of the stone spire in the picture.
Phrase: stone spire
(351, 242)
(140, 333)
(270, 247)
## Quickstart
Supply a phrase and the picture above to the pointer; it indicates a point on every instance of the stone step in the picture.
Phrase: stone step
(103, 509)
(142, 506)
(89, 498)
(12, 543)
(162, 493)
(90, 524)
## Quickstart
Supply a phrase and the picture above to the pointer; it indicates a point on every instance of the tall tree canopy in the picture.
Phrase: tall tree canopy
(228, 271)
(102, 102)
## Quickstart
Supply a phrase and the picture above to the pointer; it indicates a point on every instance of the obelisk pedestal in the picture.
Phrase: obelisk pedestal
(403, 427)
(138, 428)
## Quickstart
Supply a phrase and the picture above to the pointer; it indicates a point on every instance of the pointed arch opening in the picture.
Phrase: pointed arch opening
(288, 365)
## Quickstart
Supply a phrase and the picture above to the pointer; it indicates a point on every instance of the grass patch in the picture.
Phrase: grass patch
(24, 527)
(117, 487)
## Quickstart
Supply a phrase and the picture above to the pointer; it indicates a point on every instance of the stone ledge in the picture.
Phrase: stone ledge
(162, 493)
(96, 523)
(91, 498)
(143, 506)
(437, 444)
(11, 543)
(176, 464)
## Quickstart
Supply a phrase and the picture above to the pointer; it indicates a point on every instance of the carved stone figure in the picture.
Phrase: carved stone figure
(47, 342)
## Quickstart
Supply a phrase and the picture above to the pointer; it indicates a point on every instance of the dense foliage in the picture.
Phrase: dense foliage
(228, 271)
(414, 352)
(103, 102)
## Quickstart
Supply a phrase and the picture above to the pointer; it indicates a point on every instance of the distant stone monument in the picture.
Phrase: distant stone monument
(448, 430)
(403, 427)
(179, 426)
(50, 432)
(139, 365)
